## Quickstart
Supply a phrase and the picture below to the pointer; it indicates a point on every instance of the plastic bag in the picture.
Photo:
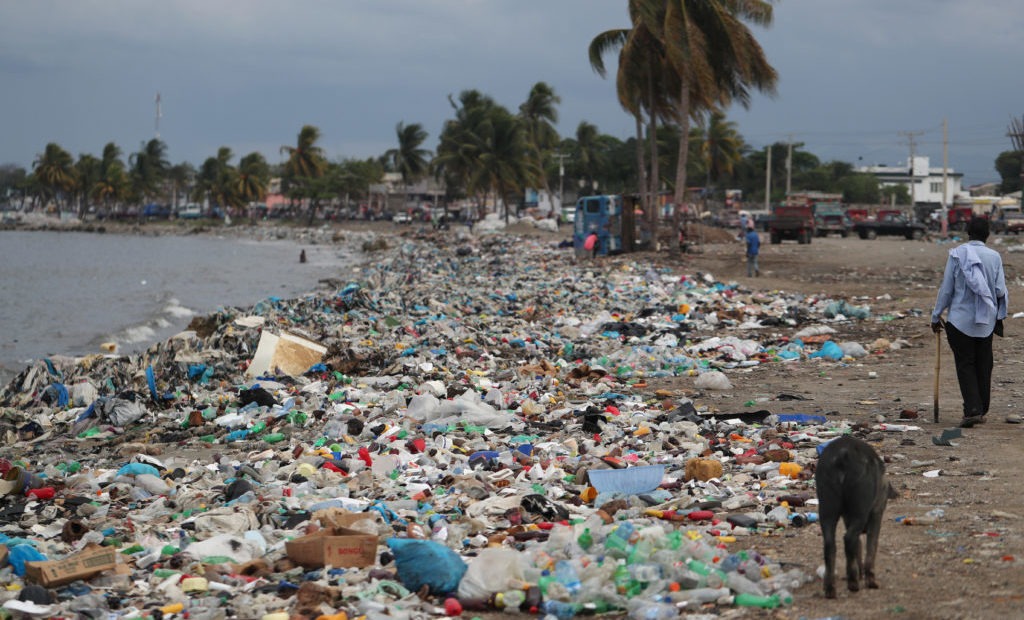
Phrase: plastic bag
(713, 380)
(427, 563)
(829, 350)
(496, 569)
(853, 349)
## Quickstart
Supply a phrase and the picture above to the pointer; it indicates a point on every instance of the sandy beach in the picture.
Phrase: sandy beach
(964, 564)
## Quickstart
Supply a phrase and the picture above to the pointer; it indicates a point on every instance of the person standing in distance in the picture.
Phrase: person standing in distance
(753, 241)
(973, 290)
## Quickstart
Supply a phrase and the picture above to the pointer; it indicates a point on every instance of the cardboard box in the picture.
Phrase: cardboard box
(338, 546)
(291, 354)
(88, 562)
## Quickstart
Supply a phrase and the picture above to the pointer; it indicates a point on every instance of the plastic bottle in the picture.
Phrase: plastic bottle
(640, 609)
(566, 574)
(754, 600)
(585, 540)
(617, 542)
(645, 573)
(510, 601)
(699, 595)
(710, 577)
(559, 609)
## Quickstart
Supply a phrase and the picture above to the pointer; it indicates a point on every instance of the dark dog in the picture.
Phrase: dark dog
(851, 484)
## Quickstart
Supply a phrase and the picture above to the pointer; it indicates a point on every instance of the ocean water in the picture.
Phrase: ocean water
(68, 293)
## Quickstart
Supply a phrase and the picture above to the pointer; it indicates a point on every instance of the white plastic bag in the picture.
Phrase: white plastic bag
(713, 380)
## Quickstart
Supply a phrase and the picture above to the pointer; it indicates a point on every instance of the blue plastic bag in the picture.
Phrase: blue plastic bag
(19, 554)
(426, 562)
(829, 350)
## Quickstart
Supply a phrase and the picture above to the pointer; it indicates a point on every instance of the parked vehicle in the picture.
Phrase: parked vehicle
(600, 215)
(791, 222)
(891, 224)
(829, 217)
(1013, 223)
(190, 211)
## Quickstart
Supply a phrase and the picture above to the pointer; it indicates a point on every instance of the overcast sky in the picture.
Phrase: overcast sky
(855, 77)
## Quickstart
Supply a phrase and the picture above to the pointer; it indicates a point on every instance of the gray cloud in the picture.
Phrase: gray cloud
(249, 74)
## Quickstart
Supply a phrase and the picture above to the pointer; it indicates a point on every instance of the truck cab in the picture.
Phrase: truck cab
(600, 215)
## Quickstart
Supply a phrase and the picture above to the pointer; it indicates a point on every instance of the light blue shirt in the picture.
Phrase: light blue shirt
(963, 303)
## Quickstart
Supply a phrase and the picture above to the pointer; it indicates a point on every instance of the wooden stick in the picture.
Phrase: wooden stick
(938, 366)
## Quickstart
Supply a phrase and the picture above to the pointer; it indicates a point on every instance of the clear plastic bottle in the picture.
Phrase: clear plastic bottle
(640, 609)
(566, 574)
(510, 600)
(559, 609)
(699, 595)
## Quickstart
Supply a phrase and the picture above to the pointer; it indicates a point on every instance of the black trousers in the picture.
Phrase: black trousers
(973, 360)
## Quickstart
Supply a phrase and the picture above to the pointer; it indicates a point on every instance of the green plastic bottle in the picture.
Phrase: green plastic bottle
(274, 438)
(753, 600)
(585, 539)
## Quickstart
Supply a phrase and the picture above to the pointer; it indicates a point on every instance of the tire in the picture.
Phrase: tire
(844, 234)
(871, 234)
(917, 234)
(776, 240)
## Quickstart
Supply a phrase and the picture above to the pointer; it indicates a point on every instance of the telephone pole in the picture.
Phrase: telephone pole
(768, 181)
(789, 164)
(1016, 135)
(945, 168)
(910, 135)
(561, 181)
(158, 115)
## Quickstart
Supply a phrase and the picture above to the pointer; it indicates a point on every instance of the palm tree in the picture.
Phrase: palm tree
(148, 168)
(251, 183)
(640, 88)
(113, 183)
(409, 159)
(54, 172)
(180, 176)
(715, 58)
(305, 162)
(721, 146)
(539, 117)
(87, 175)
(589, 152)
(503, 165)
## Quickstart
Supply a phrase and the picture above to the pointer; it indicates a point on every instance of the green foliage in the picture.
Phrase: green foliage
(1009, 165)
(901, 192)
(859, 188)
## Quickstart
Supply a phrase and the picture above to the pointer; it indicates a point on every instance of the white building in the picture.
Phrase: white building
(923, 181)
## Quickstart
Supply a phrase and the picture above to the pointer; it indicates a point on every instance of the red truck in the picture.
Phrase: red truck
(792, 222)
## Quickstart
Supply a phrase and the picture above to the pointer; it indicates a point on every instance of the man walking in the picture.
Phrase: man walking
(973, 290)
(753, 241)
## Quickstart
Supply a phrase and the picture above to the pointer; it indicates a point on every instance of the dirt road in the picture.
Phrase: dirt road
(970, 563)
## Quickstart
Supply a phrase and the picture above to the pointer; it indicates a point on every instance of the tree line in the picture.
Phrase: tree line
(680, 65)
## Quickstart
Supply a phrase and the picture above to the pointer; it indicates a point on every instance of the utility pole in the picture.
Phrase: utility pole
(945, 168)
(158, 115)
(910, 137)
(768, 181)
(561, 181)
(789, 164)
(1016, 135)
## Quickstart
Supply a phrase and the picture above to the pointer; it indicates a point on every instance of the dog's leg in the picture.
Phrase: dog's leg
(851, 545)
(874, 526)
(828, 535)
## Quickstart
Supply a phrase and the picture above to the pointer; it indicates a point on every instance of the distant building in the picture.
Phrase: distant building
(923, 181)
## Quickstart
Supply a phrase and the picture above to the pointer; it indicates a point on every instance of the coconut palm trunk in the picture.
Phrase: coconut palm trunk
(684, 151)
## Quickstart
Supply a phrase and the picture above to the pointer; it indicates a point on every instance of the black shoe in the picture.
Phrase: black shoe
(970, 421)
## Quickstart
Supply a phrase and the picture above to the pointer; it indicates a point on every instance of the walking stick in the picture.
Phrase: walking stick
(938, 366)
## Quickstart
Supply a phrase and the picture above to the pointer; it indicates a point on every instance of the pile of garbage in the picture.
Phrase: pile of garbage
(466, 426)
